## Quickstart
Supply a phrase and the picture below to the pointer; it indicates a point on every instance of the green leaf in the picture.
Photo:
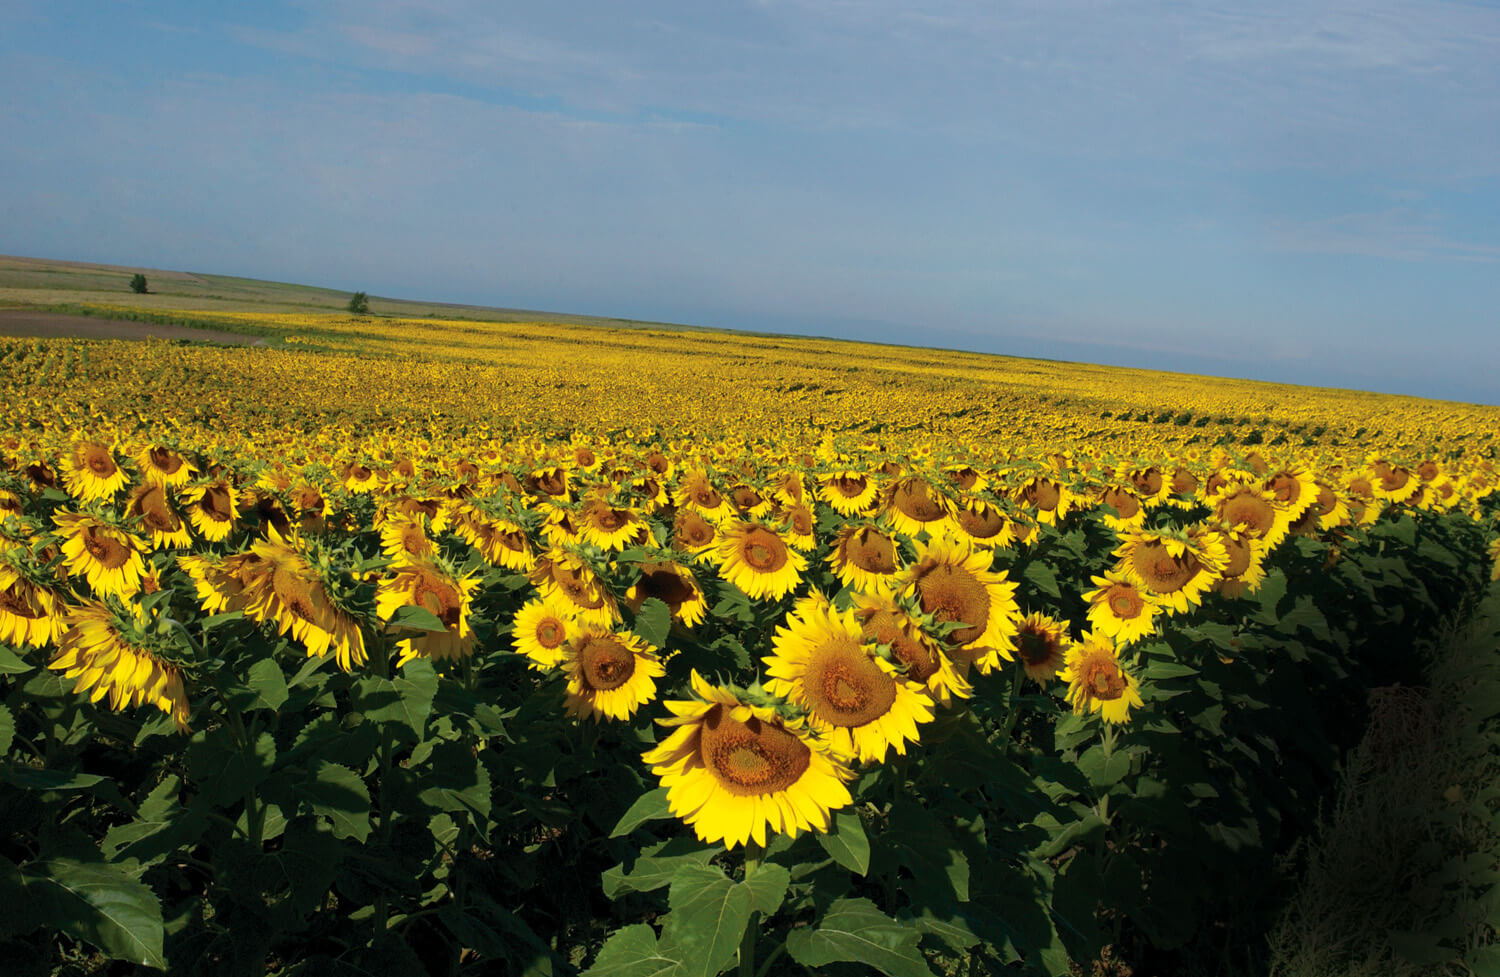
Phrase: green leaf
(767, 885)
(1104, 772)
(417, 618)
(44, 778)
(854, 930)
(406, 701)
(224, 772)
(953, 931)
(631, 952)
(266, 680)
(7, 730)
(12, 663)
(218, 620)
(709, 915)
(1042, 577)
(1162, 670)
(340, 795)
(99, 904)
(1271, 591)
(657, 866)
(650, 806)
(847, 842)
(458, 782)
(653, 622)
(163, 826)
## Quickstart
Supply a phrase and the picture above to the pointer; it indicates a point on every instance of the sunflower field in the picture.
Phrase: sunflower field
(442, 647)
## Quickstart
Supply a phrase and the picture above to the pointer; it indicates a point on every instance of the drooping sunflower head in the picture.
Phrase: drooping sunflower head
(674, 585)
(697, 491)
(437, 589)
(756, 559)
(610, 527)
(92, 473)
(736, 772)
(610, 673)
(889, 625)
(211, 508)
(164, 465)
(32, 610)
(865, 557)
(1046, 498)
(112, 650)
(571, 584)
(405, 541)
(983, 525)
(149, 503)
(822, 663)
(1041, 645)
(973, 607)
(693, 534)
(1294, 488)
(1252, 507)
(850, 493)
(1244, 562)
(913, 505)
(1129, 512)
(108, 556)
(1098, 682)
(798, 525)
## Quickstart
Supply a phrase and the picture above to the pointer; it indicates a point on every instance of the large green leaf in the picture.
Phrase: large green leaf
(12, 663)
(100, 904)
(657, 866)
(7, 731)
(847, 842)
(632, 952)
(338, 794)
(162, 826)
(417, 619)
(650, 806)
(854, 930)
(709, 915)
(405, 702)
(267, 681)
(653, 622)
(767, 885)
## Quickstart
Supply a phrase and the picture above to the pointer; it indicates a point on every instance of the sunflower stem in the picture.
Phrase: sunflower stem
(1012, 707)
(753, 855)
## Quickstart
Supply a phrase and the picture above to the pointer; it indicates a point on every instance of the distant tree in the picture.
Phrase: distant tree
(359, 304)
(138, 283)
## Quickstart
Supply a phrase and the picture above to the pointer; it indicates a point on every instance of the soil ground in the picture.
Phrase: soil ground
(48, 325)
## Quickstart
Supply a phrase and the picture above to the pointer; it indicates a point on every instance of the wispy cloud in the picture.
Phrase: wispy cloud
(1397, 234)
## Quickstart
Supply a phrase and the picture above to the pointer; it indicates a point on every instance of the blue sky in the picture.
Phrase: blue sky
(1292, 190)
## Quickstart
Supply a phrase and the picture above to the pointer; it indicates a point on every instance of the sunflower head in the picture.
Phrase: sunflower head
(865, 557)
(92, 473)
(737, 771)
(117, 651)
(1041, 646)
(755, 558)
(610, 673)
(972, 607)
(1098, 682)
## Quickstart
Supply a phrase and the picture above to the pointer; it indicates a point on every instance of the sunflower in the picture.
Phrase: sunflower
(1120, 609)
(955, 586)
(162, 465)
(611, 528)
(559, 525)
(864, 557)
(820, 662)
(1176, 568)
(757, 560)
(31, 612)
(1041, 644)
(220, 583)
(541, 632)
(435, 511)
(983, 525)
(1394, 483)
(1046, 497)
(551, 481)
(886, 622)
(610, 673)
(914, 505)
(149, 503)
(798, 524)
(571, 585)
(696, 491)
(965, 478)
(733, 770)
(693, 534)
(1294, 488)
(674, 585)
(10, 505)
(789, 489)
(749, 502)
(211, 508)
(109, 651)
(850, 493)
(1244, 563)
(1149, 485)
(1129, 512)
(437, 589)
(311, 507)
(1255, 508)
(405, 542)
(1097, 682)
(110, 558)
(360, 479)
(502, 542)
(281, 587)
(91, 473)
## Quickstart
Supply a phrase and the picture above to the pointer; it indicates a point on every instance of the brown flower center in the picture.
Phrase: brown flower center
(550, 632)
(1124, 503)
(98, 460)
(1247, 508)
(107, 551)
(844, 685)
(752, 758)
(1125, 601)
(1035, 646)
(1103, 678)
(881, 626)
(438, 596)
(915, 499)
(870, 550)
(953, 595)
(165, 461)
(763, 550)
(665, 584)
(1163, 572)
(605, 662)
